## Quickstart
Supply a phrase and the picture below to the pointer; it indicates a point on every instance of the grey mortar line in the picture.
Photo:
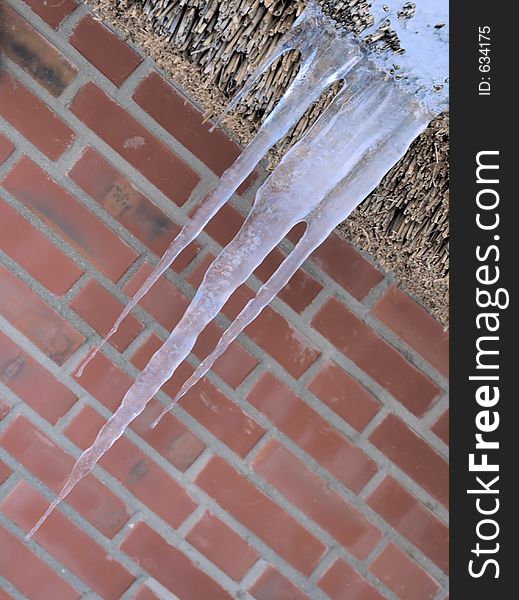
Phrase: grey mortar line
(51, 494)
(10, 590)
(111, 544)
(88, 136)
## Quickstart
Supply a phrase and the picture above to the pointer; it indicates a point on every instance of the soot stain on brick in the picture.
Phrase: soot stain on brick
(122, 200)
(137, 472)
(157, 224)
(16, 45)
(68, 229)
(46, 75)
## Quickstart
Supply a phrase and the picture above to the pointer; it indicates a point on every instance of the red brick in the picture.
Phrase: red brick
(6, 147)
(261, 515)
(139, 474)
(299, 292)
(32, 383)
(296, 233)
(108, 53)
(105, 381)
(97, 307)
(134, 143)
(51, 465)
(441, 427)
(342, 582)
(312, 495)
(33, 119)
(222, 546)
(27, 48)
(73, 548)
(413, 520)
(376, 357)
(344, 395)
(170, 438)
(351, 270)
(220, 416)
(225, 225)
(52, 12)
(234, 365)
(164, 301)
(210, 407)
(402, 575)
(186, 123)
(414, 456)
(69, 218)
(35, 253)
(415, 326)
(29, 574)
(169, 566)
(50, 332)
(197, 274)
(237, 301)
(119, 197)
(271, 584)
(144, 593)
(5, 471)
(348, 463)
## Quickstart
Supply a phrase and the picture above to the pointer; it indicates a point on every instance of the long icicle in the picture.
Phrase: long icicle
(275, 211)
(323, 63)
(344, 156)
(334, 209)
(204, 307)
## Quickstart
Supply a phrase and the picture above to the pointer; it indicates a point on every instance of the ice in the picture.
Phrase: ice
(324, 61)
(364, 131)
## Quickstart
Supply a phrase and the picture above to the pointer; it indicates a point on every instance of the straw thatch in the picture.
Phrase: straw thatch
(210, 46)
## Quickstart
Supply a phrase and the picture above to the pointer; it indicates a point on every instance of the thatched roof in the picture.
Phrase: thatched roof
(404, 224)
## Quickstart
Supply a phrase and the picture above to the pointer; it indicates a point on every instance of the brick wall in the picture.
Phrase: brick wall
(310, 463)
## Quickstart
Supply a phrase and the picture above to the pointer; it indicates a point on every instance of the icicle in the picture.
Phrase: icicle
(367, 139)
(324, 61)
(361, 135)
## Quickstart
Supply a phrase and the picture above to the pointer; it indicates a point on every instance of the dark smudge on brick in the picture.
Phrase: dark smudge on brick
(137, 472)
(42, 61)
